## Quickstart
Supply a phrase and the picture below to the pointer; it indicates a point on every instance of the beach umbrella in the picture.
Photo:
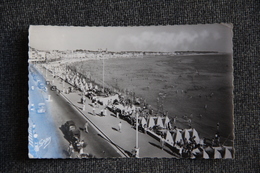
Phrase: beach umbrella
(169, 138)
(205, 155)
(167, 120)
(159, 122)
(217, 154)
(195, 133)
(227, 154)
(151, 122)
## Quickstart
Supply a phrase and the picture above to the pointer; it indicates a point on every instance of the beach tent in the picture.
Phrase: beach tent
(104, 100)
(114, 97)
(159, 122)
(169, 138)
(90, 85)
(82, 87)
(195, 133)
(178, 137)
(84, 81)
(217, 154)
(192, 156)
(186, 134)
(167, 120)
(128, 109)
(205, 155)
(151, 122)
(86, 87)
(196, 151)
(209, 149)
(143, 122)
(227, 154)
(120, 107)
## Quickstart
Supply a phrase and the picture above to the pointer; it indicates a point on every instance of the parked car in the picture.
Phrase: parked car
(71, 131)
(53, 88)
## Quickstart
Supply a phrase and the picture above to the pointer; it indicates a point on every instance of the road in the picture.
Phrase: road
(58, 112)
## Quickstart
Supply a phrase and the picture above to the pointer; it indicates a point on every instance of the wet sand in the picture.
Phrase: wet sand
(196, 87)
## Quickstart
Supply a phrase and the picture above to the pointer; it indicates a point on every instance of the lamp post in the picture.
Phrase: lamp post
(63, 85)
(136, 135)
(103, 72)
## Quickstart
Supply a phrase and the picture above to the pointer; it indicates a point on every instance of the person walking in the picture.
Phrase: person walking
(71, 150)
(145, 128)
(119, 126)
(81, 148)
(162, 141)
(94, 113)
(86, 127)
(174, 120)
(189, 122)
(105, 111)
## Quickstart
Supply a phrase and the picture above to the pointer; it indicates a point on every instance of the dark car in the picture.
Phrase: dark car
(71, 131)
(53, 88)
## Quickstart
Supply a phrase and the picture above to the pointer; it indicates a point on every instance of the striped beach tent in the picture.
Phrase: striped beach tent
(86, 87)
(195, 133)
(205, 155)
(143, 122)
(151, 123)
(159, 122)
(166, 121)
(90, 85)
(178, 136)
(186, 134)
(217, 154)
(196, 151)
(227, 154)
(169, 138)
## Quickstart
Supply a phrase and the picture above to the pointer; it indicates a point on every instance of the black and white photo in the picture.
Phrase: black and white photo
(136, 91)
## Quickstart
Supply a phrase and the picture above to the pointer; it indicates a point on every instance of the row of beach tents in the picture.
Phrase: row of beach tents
(176, 136)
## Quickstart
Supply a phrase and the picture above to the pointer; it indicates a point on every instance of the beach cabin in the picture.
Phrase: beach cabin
(151, 123)
(159, 122)
(169, 138)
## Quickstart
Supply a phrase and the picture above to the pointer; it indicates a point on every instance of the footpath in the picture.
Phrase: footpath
(109, 124)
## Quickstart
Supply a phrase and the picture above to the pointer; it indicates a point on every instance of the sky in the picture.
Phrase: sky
(209, 37)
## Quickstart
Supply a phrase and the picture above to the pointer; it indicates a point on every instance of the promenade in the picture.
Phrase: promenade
(126, 138)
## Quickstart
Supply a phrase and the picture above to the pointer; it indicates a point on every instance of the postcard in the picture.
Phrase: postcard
(136, 91)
